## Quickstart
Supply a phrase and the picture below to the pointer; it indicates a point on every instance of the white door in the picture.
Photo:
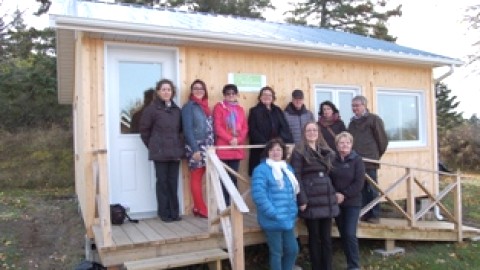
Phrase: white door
(129, 72)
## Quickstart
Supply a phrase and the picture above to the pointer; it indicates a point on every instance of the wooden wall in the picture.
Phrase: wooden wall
(287, 72)
(284, 73)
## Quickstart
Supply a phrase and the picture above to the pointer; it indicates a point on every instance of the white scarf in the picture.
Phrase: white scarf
(280, 167)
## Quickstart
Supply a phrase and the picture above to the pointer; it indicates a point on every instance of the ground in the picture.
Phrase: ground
(40, 230)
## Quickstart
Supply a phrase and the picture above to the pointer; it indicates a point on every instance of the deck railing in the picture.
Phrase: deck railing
(434, 200)
(230, 217)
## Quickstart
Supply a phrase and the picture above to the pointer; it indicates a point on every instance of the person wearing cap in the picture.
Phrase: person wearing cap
(297, 115)
(231, 129)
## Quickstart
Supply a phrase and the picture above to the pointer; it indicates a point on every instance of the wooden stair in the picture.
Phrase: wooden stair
(178, 260)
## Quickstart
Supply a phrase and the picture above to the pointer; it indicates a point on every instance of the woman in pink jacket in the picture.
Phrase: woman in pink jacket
(231, 129)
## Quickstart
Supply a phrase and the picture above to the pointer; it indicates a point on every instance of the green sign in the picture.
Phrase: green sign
(247, 82)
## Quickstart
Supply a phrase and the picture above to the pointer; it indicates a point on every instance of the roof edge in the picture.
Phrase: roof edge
(129, 29)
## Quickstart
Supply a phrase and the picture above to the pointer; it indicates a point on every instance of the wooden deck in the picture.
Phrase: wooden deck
(152, 238)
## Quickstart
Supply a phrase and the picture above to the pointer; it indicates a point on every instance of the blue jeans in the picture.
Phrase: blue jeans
(283, 248)
(369, 193)
(234, 164)
(347, 223)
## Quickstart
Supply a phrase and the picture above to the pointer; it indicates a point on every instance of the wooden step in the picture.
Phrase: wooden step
(178, 260)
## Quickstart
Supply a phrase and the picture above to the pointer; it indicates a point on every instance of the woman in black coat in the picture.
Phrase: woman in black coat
(312, 162)
(348, 176)
(161, 132)
(265, 122)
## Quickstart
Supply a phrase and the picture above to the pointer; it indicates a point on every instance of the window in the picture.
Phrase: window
(135, 77)
(403, 114)
(341, 96)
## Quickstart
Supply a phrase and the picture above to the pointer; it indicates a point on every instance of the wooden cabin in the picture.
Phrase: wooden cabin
(109, 54)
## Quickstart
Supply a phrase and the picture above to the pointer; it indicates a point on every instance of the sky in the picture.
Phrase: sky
(435, 26)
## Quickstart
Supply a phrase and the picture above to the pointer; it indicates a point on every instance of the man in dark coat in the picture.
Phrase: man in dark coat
(370, 141)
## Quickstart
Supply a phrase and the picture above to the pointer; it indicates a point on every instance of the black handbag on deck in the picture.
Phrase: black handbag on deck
(118, 214)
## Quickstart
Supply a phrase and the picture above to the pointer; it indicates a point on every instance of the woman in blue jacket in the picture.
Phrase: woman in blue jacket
(198, 131)
(274, 191)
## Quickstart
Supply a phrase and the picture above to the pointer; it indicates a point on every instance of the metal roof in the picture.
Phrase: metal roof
(187, 26)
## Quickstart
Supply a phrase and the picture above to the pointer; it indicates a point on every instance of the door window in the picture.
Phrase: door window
(136, 89)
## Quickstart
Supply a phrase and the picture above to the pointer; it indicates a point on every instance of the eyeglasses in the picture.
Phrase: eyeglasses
(311, 130)
(198, 88)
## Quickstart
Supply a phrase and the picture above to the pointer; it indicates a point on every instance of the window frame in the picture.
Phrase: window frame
(335, 90)
(421, 112)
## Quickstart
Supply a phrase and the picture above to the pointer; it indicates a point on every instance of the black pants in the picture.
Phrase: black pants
(166, 188)
(234, 164)
(320, 243)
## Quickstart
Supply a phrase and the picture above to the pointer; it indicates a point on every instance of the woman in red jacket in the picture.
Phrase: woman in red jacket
(231, 129)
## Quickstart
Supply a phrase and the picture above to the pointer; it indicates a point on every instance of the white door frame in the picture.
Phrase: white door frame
(117, 173)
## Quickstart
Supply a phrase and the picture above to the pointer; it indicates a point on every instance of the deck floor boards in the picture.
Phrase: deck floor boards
(120, 238)
(191, 233)
(168, 235)
(150, 233)
(134, 233)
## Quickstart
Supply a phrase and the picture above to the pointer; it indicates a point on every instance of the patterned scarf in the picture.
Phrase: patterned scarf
(231, 117)
(203, 104)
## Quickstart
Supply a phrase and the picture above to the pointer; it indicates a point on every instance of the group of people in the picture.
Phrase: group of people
(171, 133)
(324, 177)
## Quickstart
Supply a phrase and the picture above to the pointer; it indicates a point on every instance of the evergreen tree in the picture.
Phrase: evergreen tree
(447, 117)
(354, 16)
(28, 84)
(242, 8)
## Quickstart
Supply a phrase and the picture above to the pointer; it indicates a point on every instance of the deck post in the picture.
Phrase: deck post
(104, 211)
(237, 239)
(410, 198)
(457, 195)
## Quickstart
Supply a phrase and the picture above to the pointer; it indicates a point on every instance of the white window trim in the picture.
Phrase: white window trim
(422, 113)
(357, 90)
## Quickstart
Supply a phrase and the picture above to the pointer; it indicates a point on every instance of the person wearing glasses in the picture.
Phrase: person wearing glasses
(265, 122)
(198, 130)
(312, 162)
(231, 128)
(369, 141)
(161, 131)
